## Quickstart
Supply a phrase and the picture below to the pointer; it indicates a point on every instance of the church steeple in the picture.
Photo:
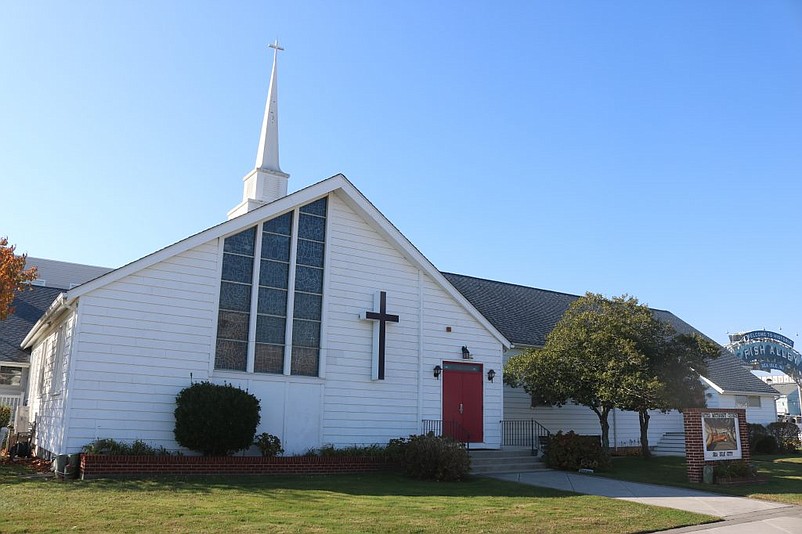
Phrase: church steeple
(266, 182)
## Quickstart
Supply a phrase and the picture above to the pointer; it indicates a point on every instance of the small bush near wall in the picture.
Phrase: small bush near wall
(431, 457)
(571, 452)
(269, 445)
(110, 446)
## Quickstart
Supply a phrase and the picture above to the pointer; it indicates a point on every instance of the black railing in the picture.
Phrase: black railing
(448, 428)
(524, 433)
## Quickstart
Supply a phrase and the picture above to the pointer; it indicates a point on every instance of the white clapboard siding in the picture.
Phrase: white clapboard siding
(765, 414)
(140, 338)
(624, 425)
(48, 392)
(356, 408)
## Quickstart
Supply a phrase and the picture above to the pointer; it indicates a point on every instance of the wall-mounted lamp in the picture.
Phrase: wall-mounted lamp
(437, 371)
(466, 354)
(491, 374)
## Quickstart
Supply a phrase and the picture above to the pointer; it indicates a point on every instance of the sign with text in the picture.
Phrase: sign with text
(721, 435)
(769, 350)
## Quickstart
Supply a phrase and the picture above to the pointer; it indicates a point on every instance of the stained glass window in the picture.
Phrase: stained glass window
(308, 292)
(235, 301)
(274, 294)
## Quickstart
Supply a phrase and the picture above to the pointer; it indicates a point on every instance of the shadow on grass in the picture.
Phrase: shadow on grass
(784, 475)
(373, 484)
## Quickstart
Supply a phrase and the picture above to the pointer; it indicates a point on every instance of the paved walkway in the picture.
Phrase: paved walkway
(741, 515)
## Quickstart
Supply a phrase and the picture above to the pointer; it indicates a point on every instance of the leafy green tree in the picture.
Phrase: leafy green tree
(613, 353)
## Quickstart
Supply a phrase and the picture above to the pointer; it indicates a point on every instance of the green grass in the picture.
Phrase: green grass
(345, 503)
(784, 473)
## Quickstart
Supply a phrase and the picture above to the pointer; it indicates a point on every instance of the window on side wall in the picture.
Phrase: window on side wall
(10, 376)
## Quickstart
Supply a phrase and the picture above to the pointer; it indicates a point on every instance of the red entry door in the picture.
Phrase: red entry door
(463, 407)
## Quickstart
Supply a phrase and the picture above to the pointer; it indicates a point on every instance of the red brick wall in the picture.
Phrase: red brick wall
(107, 466)
(694, 444)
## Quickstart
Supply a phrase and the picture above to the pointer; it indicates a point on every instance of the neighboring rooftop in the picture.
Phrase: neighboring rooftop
(29, 306)
(730, 374)
(62, 274)
(525, 316)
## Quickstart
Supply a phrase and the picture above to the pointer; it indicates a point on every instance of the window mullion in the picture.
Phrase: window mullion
(257, 264)
(291, 293)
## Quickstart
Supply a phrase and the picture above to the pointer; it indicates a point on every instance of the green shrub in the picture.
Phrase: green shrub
(764, 445)
(431, 457)
(787, 436)
(215, 420)
(756, 431)
(5, 415)
(269, 444)
(113, 447)
(734, 469)
(571, 452)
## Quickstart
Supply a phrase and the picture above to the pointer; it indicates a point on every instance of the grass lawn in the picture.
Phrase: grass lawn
(784, 472)
(344, 503)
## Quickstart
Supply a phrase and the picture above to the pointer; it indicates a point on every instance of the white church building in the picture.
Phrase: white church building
(313, 301)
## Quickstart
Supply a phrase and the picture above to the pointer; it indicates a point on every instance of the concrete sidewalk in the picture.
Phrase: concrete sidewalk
(741, 515)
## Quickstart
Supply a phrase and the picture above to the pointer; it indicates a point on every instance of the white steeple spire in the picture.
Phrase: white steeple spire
(266, 182)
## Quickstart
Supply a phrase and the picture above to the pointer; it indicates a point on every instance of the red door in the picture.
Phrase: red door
(463, 410)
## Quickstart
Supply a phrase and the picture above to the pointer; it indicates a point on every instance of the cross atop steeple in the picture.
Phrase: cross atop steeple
(266, 182)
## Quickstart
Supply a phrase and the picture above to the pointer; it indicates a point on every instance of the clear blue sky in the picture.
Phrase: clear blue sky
(648, 148)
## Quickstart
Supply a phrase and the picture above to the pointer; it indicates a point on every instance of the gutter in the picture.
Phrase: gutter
(59, 305)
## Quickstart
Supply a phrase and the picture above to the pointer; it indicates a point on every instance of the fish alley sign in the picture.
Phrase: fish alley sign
(769, 349)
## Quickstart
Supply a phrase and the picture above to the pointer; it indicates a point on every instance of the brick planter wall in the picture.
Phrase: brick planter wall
(108, 466)
(694, 441)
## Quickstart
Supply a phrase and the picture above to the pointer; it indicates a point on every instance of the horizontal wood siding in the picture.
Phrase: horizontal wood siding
(624, 425)
(358, 410)
(48, 394)
(140, 338)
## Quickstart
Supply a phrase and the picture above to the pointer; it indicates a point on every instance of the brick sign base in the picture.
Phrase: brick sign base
(694, 440)
(108, 466)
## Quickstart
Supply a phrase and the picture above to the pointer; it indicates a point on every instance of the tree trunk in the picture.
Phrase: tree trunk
(602, 414)
(643, 418)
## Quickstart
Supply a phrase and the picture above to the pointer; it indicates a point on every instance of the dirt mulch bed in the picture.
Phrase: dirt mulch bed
(34, 464)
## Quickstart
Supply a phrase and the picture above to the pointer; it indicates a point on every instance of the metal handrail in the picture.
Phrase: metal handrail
(524, 433)
(447, 428)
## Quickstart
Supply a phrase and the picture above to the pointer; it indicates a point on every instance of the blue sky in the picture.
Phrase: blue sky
(648, 148)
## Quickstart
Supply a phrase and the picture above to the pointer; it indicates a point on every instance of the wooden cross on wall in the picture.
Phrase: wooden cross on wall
(379, 332)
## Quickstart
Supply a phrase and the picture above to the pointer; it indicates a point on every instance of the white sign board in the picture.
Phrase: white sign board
(721, 435)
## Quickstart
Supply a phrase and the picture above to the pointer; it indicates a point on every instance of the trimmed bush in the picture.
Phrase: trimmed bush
(269, 444)
(430, 457)
(738, 469)
(571, 452)
(5, 415)
(215, 420)
(756, 430)
(786, 434)
(764, 445)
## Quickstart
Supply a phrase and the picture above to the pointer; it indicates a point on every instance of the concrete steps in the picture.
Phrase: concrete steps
(671, 444)
(504, 461)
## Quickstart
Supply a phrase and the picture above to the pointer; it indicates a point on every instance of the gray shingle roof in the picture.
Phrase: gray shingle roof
(728, 372)
(525, 316)
(29, 306)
